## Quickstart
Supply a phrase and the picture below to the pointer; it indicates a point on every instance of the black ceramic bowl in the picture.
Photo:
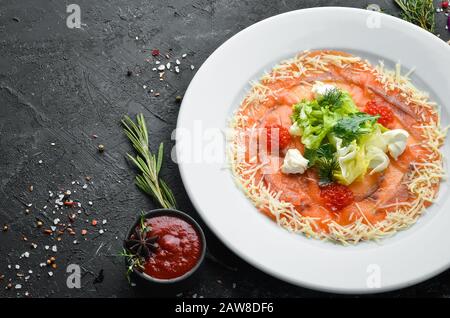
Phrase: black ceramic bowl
(188, 219)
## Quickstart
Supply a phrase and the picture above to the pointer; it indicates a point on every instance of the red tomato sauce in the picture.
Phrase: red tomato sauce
(179, 248)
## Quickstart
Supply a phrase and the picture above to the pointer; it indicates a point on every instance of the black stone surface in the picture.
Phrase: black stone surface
(63, 86)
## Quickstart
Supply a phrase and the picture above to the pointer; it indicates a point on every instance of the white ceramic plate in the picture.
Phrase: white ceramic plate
(215, 92)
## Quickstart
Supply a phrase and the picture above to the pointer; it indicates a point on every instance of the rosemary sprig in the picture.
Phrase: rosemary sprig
(419, 12)
(149, 164)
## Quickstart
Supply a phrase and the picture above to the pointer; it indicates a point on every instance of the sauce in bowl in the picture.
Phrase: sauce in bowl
(179, 249)
(166, 245)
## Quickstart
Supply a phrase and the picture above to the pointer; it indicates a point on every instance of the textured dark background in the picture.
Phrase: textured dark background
(62, 86)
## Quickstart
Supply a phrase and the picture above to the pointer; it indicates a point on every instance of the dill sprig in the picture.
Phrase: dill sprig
(419, 12)
(149, 164)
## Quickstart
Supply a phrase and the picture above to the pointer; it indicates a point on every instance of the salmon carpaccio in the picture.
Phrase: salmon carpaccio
(377, 195)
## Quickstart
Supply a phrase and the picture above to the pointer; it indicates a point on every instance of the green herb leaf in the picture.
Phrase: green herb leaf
(351, 127)
(332, 99)
(325, 168)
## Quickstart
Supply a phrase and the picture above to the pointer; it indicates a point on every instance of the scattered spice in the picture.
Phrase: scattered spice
(155, 52)
(39, 223)
(101, 148)
(47, 231)
(5, 228)
(178, 99)
(94, 222)
(129, 73)
(83, 232)
(30, 188)
(69, 203)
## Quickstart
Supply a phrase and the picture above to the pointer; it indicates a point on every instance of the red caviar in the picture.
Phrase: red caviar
(336, 196)
(385, 113)
(284, 137)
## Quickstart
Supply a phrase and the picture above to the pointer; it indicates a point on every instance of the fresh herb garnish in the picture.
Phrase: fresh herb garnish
(325, 150)
(139, 247)
(148, 164)
(354, 125)
(133, 261)
(323, 158)
(325, 167)
(332, 99)
(419, 12)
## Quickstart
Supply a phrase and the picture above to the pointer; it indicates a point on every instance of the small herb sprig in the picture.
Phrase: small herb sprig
(148, 164)
(139, 247)
(419, 12)
(324, 160)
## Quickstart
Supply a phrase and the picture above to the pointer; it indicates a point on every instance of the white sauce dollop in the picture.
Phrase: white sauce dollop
(294, 162)
(396, 140)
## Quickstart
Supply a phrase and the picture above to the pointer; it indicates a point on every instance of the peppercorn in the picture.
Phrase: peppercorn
(129, 73)
(101, 148)
(39, 223)
(178, 99)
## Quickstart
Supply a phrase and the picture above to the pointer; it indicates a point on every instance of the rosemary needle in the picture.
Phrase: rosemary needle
(149, 164)
(419, 12)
